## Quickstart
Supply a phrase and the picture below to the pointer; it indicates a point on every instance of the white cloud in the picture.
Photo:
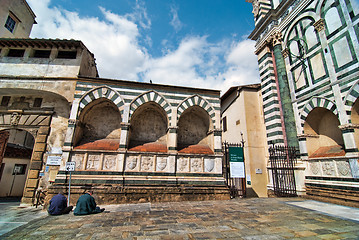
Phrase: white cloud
(112, 40)
(175, 22)
(195, 62)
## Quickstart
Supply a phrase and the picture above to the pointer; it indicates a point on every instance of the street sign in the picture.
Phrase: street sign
(54, 160)
(70, 166)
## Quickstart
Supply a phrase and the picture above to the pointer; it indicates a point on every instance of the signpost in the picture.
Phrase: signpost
(70, 167)
(236, 162)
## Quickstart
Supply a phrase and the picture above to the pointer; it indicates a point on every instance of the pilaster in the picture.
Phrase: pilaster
(285, 98)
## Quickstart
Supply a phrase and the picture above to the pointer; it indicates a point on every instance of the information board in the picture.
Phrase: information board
(54, 160)
(236, 162)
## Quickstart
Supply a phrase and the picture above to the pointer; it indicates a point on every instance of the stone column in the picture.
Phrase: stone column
(172, 139)
(36, 164)
(217, 141)
(68, 144)
(125, 128)
(285, 99)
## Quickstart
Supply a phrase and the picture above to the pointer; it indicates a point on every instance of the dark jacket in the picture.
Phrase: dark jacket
(57, 204)
(85, 205)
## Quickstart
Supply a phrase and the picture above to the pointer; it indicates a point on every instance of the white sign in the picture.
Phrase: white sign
(54, 160)
(70, 166)
(237, 169)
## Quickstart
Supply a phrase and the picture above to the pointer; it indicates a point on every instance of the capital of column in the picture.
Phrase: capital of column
(348, 126)
(125, 126)
(73, 121)
(319, 25)
(285, 53)
(307, 136)
(172, 129)
(275, 39)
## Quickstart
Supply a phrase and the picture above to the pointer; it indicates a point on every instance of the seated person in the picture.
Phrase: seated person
(87, 205)
(58, 205)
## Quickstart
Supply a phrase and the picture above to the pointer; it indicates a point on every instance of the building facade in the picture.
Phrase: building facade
(16, 19)
(308, 61)
(130, 141)
(243, 120)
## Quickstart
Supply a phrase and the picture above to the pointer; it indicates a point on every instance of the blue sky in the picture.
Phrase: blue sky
(195, 43)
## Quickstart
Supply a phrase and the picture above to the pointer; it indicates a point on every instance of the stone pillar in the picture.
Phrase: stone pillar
(125, 128)
(36, 164)
(285, 99)
(68, 144)
(172, 139)
(351, 149)
(217, 140)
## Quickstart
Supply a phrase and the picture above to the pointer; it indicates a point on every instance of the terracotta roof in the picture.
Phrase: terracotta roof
(150, 147)
(197, 149)
(103, 144)
(329, 151)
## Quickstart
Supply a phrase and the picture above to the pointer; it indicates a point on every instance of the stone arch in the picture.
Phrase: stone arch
(307, 15)
(196, 100)
(148, 128)
(350, 99)
(101, 92)
(317, 102)
(151, 96)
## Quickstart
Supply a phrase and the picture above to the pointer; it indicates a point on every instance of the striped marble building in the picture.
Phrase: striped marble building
(136, 141)
(308, 60)
(130, 141)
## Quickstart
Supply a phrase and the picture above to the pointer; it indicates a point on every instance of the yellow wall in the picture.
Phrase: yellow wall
(245, 115)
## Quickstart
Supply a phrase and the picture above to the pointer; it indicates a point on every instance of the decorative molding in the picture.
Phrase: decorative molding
(319, 25)
(285, 53)
(348, 126)
(307, 136)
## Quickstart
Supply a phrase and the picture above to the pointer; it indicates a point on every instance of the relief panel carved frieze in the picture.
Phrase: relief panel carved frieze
(147, 163)
(131, 162)
(196, 165)
(93, 162)
(161, 163)
(109, 162)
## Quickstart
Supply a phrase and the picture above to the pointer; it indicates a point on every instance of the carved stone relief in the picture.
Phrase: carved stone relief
(78, 159)
(182, 164)
(161, 163)
(14, 119)
(131, 162)
(109, 162)
(196, 165)
(328, 168)
(343, 168)
(314, 167)
(93, 162)
(208, 165)
(147, 163)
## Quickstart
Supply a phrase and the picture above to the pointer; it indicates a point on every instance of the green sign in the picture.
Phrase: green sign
(236, 162)
(236, 154)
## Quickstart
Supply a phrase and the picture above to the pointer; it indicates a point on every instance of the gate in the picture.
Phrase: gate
(237, 186)
(282, 160)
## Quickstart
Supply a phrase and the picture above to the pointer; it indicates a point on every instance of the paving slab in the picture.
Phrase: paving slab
(252, 218)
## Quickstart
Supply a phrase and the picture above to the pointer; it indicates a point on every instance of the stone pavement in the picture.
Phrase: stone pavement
(252, 218)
